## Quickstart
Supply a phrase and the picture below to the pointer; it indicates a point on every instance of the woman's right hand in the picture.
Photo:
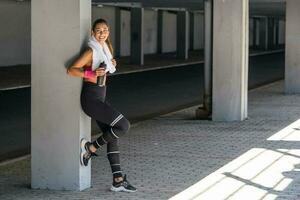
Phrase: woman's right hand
(100, 71)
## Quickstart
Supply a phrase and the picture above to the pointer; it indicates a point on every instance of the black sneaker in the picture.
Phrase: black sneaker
(123, 186)
(85, 153)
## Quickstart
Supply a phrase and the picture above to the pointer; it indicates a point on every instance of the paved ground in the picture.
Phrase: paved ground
(253, 159)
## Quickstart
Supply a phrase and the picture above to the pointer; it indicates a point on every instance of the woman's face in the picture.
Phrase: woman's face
(101, 32)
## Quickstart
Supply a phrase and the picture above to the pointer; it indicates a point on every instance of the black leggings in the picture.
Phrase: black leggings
(112, 123)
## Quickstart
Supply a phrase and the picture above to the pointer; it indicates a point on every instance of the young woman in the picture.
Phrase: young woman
(112, 123)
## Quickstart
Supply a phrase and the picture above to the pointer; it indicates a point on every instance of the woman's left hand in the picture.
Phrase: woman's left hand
(114, 62)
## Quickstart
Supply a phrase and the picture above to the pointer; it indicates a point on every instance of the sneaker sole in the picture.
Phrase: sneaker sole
(82, 150)
(121, 189)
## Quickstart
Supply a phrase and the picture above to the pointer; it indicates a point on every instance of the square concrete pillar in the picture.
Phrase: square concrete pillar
(182, 34)
(230, 60)
(251, 32)
(264, 33)
(159, 30)
(292, 57)
(192, 31)
(59, 30)
(271, 33)
(118, 32)
(137, 33)
(276, 33)
(256, 33)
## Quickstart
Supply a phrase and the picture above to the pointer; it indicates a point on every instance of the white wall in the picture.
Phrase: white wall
(15, 33)
(150, 32)
(169, 32)
(150, 29)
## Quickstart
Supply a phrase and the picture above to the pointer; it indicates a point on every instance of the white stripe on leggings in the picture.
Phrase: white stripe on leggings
(113, 152)
(117, 172)
(98, 143)
(113, 133)
(116, 120)
(113, 122)
(103, 139)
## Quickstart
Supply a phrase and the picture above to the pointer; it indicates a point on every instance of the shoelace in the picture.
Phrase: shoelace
(125, 182)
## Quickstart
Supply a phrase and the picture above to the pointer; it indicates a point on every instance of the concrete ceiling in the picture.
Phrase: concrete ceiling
(257, 7)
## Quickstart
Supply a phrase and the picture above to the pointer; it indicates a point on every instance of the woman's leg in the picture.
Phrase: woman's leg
(113, 124)
(114, 130)
(94, 105)
(103, 127)
(116, 124)
(113, 153)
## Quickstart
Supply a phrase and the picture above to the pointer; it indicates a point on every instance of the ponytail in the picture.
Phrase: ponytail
(110, 47)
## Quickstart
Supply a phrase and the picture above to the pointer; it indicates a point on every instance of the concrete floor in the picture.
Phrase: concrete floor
(175, 156)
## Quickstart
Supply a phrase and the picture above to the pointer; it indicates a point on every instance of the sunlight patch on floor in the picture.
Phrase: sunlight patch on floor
(260, 173)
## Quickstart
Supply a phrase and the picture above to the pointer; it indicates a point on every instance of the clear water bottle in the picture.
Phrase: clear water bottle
(101, 79)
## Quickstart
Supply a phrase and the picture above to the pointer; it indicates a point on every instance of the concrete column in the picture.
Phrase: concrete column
(182, 34)
(230, 60)
(254, 33)
(208, 34)
(118, 32)
(271, 35)
(59, 30)
(281, 34)
(292, 57)
(257, 32)
(276, 33)
(251, 28)
(159, 31)
(137, 22)
(205, 111)
(192, 31)
(263, 33)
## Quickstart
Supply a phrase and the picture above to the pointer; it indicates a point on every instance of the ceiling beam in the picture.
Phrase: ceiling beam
(257, 7)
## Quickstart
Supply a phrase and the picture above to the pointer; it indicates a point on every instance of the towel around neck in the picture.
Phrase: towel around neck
(101, 53)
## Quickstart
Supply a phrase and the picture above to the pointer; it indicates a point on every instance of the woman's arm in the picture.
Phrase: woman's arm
(84, 59)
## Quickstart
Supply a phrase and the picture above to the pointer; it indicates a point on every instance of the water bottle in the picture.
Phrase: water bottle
(101, 79)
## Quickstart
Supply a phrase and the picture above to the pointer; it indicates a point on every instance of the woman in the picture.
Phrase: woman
(112, 123)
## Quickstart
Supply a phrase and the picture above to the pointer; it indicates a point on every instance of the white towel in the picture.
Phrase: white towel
(101, 53)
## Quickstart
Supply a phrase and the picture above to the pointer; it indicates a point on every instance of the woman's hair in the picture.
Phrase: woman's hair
(108, 42)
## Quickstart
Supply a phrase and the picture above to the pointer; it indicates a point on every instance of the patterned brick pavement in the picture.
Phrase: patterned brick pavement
(166, 155)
